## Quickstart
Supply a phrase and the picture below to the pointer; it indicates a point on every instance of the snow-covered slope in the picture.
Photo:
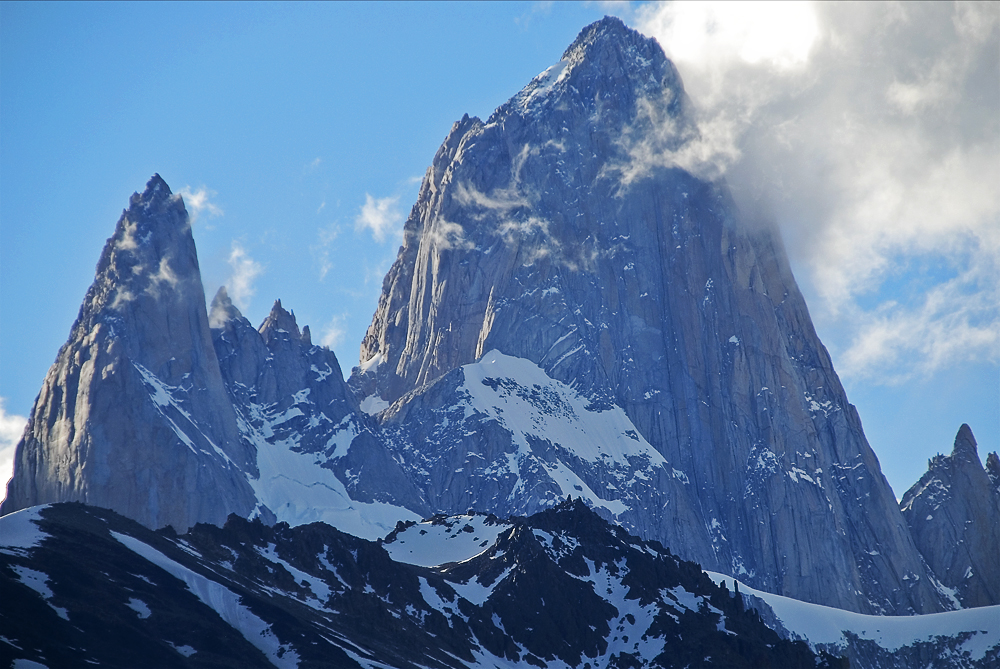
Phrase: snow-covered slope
(317, 456)
(444, 539)
(515, 441)
(965, 638)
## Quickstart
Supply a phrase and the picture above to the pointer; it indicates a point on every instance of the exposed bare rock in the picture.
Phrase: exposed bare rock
(580, 228)
(319, 457)
(993, 470)
(134, 415)
(953, 512)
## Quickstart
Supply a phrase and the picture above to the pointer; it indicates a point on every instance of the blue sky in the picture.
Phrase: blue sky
(299, 133)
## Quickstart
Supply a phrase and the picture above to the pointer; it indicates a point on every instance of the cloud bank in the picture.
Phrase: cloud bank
(870, 134)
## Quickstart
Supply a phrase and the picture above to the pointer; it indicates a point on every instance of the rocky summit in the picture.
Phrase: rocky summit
(572, 256)
(953, 513)
(134, 415)
(578, 309)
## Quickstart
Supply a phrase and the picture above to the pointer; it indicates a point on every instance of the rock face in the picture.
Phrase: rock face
(993, 470)
(134, 414)
(319, 456)
(953, 512)
(576, 230)
(171, 417)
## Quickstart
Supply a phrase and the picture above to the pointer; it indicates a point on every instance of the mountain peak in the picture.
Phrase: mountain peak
(607, 69)
(965, 442)
(156, 190)
(279, 320)
(953, 512)
(222, 309)
(153, 433)
(993, 470)
(609, 29)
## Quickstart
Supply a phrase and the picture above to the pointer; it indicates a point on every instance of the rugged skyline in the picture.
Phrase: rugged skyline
(101, 99)
(556, 323)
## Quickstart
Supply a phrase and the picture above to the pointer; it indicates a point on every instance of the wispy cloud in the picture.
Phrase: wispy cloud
(11, 429)
(870, 133)
(323, 251)
(538, 8)
(444, 234)
(707, 147)
(955, 323)
(199, 201)
(245, 271)
(382, 216)
(334, 332)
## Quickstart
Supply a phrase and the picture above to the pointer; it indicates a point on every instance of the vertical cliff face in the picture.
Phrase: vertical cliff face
(579, 228)
(953, 513)
(134, 415)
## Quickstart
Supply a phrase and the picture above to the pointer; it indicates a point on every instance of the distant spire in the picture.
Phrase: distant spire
(965, 442)
(279, 319)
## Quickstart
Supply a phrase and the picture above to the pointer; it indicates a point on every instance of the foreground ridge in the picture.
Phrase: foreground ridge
(559, 589)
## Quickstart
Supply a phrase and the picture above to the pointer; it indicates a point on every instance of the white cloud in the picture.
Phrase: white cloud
(245, 271)
(127, 242)
(870, 133)
(444, 234)
(334, 332)
(954, 322)
(778, 34)
(381, 216)
(198, 201)
(11, 429)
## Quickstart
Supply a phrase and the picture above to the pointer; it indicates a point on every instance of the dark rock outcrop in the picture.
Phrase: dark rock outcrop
(953, 513)
(993, 470)
(562, 588)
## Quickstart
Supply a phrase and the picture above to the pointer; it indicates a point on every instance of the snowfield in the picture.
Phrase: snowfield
(824, 626)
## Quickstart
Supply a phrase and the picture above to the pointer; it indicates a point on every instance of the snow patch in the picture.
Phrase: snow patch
(299, 489)
(140, 608)
(533, 407)
(39, 582)
(320, 590)
(436, 542)
(19, 531)
(222, 600)
(373, 404)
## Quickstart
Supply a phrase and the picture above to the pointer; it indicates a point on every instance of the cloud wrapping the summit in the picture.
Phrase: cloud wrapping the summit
(870, 134)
